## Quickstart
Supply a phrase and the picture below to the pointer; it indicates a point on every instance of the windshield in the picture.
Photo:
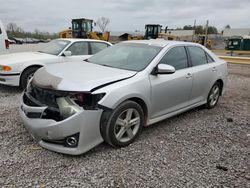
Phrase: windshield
(129, 56)
(55, 47)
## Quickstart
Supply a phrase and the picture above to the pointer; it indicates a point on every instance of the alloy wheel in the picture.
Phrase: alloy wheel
(127, 125)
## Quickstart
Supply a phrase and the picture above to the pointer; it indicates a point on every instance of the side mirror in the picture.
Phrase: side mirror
(67, 53)
(163, 69)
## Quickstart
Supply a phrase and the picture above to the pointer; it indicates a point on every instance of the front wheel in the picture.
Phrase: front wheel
(214, 95)
(123, 125)
(26, 76)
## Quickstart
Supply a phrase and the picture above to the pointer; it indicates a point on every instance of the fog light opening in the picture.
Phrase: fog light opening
(71, 141)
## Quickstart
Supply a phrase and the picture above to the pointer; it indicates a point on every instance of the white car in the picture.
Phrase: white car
(4, 42)
(139, 83)
(17, 68)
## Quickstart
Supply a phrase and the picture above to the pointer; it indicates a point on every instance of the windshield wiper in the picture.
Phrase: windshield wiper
(41, 52)
(106, 65)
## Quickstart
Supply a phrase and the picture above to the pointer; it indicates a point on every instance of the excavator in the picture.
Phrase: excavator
(83, 28)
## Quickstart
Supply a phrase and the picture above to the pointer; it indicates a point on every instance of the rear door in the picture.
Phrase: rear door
(171, 92)
(204, 73)
(96, 47)
(79, 51)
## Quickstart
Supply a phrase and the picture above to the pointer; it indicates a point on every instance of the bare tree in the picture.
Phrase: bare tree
(102, 23)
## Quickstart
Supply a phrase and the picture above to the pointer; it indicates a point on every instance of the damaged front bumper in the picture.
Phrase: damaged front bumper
(73, 135)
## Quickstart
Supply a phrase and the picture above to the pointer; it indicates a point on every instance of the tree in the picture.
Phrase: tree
(15, 31)
(227, 26)
(212, 30)
(188, 27)
(199, 30)
(102, 23)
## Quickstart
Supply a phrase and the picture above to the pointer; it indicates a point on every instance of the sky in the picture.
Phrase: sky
(125, 15)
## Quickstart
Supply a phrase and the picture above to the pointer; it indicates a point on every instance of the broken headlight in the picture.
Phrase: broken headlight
(87, 100)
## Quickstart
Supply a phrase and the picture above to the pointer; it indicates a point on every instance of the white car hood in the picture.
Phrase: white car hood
(78, 76)
(12, 58)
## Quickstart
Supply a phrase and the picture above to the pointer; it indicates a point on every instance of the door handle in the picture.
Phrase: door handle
(189, 75)
(214, 69)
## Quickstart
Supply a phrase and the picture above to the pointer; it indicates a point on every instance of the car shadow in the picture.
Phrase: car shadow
(169, 126)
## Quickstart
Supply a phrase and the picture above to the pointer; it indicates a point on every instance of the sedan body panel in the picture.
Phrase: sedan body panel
(170, 92)
(59, 77)
(42, 130)
(160, 95)
(19, 62)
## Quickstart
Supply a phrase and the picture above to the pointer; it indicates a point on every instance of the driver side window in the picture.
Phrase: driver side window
(79, 48)
(176, 57)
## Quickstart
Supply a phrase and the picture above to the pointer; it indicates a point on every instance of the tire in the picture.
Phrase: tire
(213, 96)
(121, 127)
(26, 75)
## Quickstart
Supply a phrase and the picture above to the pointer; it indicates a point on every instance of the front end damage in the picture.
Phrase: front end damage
(65, 122)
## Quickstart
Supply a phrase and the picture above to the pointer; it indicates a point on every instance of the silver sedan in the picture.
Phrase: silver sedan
(72, 107)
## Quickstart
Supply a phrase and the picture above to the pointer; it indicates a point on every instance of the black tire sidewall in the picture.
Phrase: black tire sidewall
(109, 126)
(25, 75)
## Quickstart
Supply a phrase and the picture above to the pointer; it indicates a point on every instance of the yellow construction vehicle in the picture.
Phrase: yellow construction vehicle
(201, 39)
(154, 31)
(83, 28)
(67, 33)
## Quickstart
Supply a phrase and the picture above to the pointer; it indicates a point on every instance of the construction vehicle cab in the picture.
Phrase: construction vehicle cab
(81, 27)
(152, 31)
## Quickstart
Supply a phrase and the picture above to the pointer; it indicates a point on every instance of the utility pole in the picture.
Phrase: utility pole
(194, 30)
(205, 42)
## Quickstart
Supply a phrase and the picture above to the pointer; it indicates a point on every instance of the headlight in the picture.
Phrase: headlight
(5, 68)
(87, 100)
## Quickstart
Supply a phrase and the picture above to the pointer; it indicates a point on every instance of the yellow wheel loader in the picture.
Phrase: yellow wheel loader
(83, 28)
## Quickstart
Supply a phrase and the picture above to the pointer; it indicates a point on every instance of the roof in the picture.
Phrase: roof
(160, 42)
(120, 33)
(75, 40)
(236, 32)
(180, 33)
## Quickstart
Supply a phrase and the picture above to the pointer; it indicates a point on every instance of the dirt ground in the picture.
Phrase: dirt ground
(199, 148)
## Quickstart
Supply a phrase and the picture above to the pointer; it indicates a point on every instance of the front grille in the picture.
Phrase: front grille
(45, 97)
(37, 97)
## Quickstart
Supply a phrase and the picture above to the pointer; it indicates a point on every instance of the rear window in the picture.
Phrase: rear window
(209, 58)
(97, 47)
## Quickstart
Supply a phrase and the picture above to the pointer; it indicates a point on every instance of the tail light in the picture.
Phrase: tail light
(7, 44)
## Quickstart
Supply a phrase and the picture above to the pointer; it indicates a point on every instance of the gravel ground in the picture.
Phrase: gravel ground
(200, 148)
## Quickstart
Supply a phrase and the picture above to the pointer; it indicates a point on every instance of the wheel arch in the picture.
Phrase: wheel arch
(28, 67)
(220, 81)
(143, 105)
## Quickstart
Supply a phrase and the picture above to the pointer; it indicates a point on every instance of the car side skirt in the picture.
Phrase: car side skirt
(165, 116)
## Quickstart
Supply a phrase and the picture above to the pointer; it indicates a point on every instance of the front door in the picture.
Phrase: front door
(171, 92)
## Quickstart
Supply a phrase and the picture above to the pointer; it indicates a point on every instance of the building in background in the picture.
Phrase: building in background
(236, 32)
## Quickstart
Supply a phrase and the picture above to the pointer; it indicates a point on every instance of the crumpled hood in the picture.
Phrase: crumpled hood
(78, 76)
(11, 58)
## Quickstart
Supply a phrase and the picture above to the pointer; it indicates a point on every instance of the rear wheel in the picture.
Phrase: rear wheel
(123, 125)
(26, 76)
(214, 95)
